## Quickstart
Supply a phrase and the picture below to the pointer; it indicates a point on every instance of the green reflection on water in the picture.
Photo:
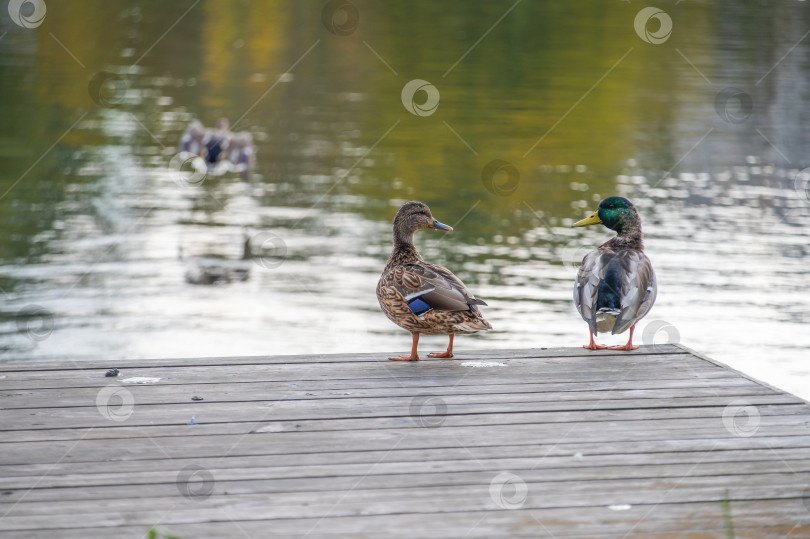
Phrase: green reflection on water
(567, 93)
(574, 77)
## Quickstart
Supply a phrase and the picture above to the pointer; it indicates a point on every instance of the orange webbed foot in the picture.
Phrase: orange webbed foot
(627, 347)
(404, 358)
(594, 346)
(414, 354)
(447, 353)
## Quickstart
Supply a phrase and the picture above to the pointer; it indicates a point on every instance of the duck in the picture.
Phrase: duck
(210, 270)
(424, 298)
(241, 153)
(192, 139)
(216, 142)
(615, 286)
(223, 150)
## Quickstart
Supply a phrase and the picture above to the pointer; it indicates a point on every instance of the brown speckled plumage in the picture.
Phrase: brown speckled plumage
(406, 275)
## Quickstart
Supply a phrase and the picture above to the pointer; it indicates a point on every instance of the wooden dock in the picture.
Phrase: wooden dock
(515, 443)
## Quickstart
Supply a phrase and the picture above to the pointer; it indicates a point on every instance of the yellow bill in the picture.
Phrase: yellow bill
(592, 220)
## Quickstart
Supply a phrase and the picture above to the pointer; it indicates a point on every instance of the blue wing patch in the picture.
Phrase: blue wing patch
(417, 306)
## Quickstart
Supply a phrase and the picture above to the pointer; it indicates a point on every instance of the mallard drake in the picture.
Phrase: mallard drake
(423, 297)
(615, 285)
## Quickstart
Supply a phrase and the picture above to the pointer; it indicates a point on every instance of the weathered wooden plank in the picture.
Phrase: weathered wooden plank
(290, 420)
(249, 392)
(353, 498)
(700, 520)
(585, 437)
(334, 476)
(295, 442)
(643, 379)
(368, 418)
(541, 457)
(447, 371)
(538, 353)
(424, 500)
(341, 410)
(598, 359)
(412, 385)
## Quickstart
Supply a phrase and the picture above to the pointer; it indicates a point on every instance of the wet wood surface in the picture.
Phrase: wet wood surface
(658, 442)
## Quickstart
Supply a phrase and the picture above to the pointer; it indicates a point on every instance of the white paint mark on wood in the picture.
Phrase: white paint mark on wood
(483, 364)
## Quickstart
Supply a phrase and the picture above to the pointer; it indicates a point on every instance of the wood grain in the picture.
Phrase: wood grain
(551, 443)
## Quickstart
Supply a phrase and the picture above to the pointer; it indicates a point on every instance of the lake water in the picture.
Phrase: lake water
(704, 125)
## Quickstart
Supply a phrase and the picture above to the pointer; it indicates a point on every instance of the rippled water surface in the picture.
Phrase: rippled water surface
(707, 132)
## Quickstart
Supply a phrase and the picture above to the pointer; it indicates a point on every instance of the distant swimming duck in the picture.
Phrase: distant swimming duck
(241, 153)
(208, 270)
(422, 297)
(192, 139)
(217, 141)
(615, 285)
(223, 150)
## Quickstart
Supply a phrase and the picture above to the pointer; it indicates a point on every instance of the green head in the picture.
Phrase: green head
(616, 213)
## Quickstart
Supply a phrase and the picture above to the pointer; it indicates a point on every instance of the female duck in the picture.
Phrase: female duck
(616, 285)
(422, 297)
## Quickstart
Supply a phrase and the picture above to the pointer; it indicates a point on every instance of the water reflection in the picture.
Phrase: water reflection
(706, 132)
